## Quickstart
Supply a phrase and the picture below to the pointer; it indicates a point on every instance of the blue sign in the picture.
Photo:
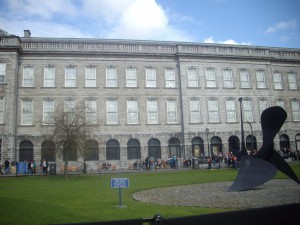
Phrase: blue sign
(119, 183)
(22, 167)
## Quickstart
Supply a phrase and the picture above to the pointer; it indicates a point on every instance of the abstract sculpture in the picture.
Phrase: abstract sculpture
(257, 169)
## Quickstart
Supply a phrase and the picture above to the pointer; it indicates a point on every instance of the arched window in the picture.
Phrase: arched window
(234, 143)
(297, 140)
(133, 149)
(216, 145)
(174, 147)
(69, 151)
(197, 147)
(48, 151)
(112, 150)
(26, 151)
(154, 148)
(91, 151)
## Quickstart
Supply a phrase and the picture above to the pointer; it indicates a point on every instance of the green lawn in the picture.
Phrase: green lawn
(86, 198)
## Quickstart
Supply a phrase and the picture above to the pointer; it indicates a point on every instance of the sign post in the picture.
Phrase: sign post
(119, 183)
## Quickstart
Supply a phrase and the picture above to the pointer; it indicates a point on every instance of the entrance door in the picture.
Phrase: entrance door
(26, 151)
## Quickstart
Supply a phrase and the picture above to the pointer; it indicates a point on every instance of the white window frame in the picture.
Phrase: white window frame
(244, 79)
(195, 111)
(192, 75)
(132, 112)
(295, 105)
(210, 77)
(292, 80)
(28, 76)
(150, 78)
(171, 111)
(247, 110)
(261, 79)
(1, 110)
(170, 80)
(111, 77)
(277, 81)
(2, 72)
(70, 77)
(152, 111)
(131, 77)
(27, 112)
(262, 105)
(230, 110)
(227, 78)
(280, 103)
(91, 111)
(112, 112)
(213, 111)
(48, 111)
(90, 77)
(49, 76)
(69, 105)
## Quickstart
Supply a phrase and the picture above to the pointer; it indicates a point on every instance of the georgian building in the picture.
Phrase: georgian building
(148, 98)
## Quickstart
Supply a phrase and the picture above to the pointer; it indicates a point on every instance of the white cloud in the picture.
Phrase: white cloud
(122, 19)
(229, 42)
(288, 25)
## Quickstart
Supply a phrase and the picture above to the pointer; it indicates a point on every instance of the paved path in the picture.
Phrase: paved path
(215, 195)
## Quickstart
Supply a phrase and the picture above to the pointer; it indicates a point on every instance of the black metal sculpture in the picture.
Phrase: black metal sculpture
(257, 169)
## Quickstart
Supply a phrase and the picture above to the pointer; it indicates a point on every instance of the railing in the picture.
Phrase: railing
(95, 45)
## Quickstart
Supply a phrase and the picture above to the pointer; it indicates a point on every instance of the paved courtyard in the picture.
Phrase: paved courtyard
(215, 195)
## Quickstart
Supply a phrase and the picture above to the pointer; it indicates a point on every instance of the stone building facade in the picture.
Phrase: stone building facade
(148, 98)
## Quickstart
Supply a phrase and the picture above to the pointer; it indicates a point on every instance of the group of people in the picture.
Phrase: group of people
(31, 167)
(6, 166)
(151, 163)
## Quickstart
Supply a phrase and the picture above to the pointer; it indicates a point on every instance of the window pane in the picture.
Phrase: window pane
(91, 111)
(170, 78)
(171, 111)
(111, 77)
(28, 77)
(26, 112)
(132, 112)
(70, 77)
(49, 77)
(292, 81)
(213, 111)
(112, 111)
(152, 112)
(277, 80)
(90, 77)
(247, 109)
(296, 110)
(1, 110)
(195, 111)
(192, 77)
(131, 80)
(280, 103)
(261, 79)
(210, 77)
(244, 79)
(2, 72)
(227, 78)
(150, 77)
(48, 111)
(230, 111)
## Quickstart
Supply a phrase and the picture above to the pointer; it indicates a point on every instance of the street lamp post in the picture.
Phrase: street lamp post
(243, 146)
(208, 151)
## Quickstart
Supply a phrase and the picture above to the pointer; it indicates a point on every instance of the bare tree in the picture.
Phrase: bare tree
(70, 130)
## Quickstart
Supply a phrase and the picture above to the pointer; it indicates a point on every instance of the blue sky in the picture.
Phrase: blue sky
(274, 23)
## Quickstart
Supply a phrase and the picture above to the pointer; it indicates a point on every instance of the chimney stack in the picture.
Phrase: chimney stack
(27, 33)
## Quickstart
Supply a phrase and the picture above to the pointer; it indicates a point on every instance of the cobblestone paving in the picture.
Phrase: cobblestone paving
(215, 195)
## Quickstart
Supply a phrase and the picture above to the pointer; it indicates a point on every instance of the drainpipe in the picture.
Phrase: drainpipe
(16, 106)
(181, 106)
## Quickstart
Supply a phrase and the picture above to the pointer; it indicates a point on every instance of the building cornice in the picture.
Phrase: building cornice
(98, 47)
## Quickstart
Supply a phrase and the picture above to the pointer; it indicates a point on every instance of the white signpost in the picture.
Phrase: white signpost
(119, 183)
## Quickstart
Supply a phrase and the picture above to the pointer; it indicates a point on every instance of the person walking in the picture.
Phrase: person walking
(6, 164)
